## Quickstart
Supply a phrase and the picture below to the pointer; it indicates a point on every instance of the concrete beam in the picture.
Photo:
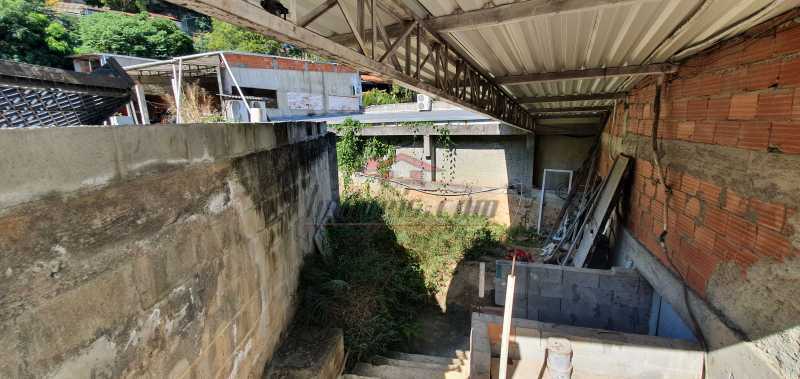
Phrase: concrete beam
(492, 128)
(658, 68)
(516, 12)
(582, 97)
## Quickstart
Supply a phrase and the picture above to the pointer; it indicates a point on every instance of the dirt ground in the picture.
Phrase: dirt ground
(445, 326)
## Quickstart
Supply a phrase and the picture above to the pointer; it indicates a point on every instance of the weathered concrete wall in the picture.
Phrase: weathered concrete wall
(500, 206)
(303, 88)
(478, 162)
(616, 299)
(730, 140)
(559, 152)
(160, 251)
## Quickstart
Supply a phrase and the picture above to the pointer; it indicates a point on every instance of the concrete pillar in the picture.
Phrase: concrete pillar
(429, 151)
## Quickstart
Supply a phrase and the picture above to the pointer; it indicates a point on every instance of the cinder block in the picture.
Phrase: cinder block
(575, 310)
(534, 287)
(546, 274)
(553, 315)
(628, 298)
(552, 290)
(502, 269)
(620, 282)
(581, 277)
(588, 295)
(645, 295)
(624, 318)
(500, 290)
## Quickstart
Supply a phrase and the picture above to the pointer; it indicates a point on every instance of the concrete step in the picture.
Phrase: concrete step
(425, 358)
(396, 372)
(383, 361)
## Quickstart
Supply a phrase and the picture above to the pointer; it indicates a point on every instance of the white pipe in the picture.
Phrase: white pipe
(506, 336)
(141, 100)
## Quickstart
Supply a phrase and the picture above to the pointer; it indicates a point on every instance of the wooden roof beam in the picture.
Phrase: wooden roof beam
(580, 97)
(650, 69)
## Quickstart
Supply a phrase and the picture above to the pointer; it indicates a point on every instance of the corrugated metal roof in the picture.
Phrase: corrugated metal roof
(610, 34)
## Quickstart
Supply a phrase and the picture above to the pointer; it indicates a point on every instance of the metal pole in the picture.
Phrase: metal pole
(142, 101)
(541, 202)
(176, 94)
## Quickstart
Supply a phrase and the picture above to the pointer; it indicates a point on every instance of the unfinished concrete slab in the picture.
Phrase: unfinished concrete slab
(596, 353)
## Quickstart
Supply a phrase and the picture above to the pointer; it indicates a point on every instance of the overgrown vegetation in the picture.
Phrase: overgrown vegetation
(397, 95)
(353, 151)
(139, 35)
(30, 33)
(383, 262)
(197, 106)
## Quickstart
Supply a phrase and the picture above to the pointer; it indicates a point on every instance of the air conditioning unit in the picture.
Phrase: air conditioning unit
(237, 111)
(424, 102)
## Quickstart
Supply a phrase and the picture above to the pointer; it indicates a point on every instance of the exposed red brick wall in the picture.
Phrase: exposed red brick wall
(268, 62)
(743, 95)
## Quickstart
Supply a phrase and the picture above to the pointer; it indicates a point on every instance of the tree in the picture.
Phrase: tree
(224, 36)
(132, 6)
(137, 35)
(227, 37)
(31, 34)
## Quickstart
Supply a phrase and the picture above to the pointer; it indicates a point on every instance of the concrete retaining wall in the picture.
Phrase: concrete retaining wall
(617, 299)
(159, 251)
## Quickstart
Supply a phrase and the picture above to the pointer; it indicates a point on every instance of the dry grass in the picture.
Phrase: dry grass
(197, 106)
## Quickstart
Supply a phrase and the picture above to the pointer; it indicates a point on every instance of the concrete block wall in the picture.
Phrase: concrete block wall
(729, 132)
(617, 299)
(160, 251)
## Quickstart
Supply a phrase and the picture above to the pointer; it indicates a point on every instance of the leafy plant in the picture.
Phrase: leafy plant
(30, 33)
(397, 95)
(353, 150)
(133, 6)
(227, 37)
(139, 35)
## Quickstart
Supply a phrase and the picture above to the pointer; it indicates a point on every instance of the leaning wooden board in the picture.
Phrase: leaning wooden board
(597, 219)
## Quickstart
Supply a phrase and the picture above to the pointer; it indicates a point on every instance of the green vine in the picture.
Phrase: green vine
(443, 139)
(353, 151)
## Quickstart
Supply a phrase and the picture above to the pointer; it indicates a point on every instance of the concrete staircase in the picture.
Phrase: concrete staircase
(412, 366)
